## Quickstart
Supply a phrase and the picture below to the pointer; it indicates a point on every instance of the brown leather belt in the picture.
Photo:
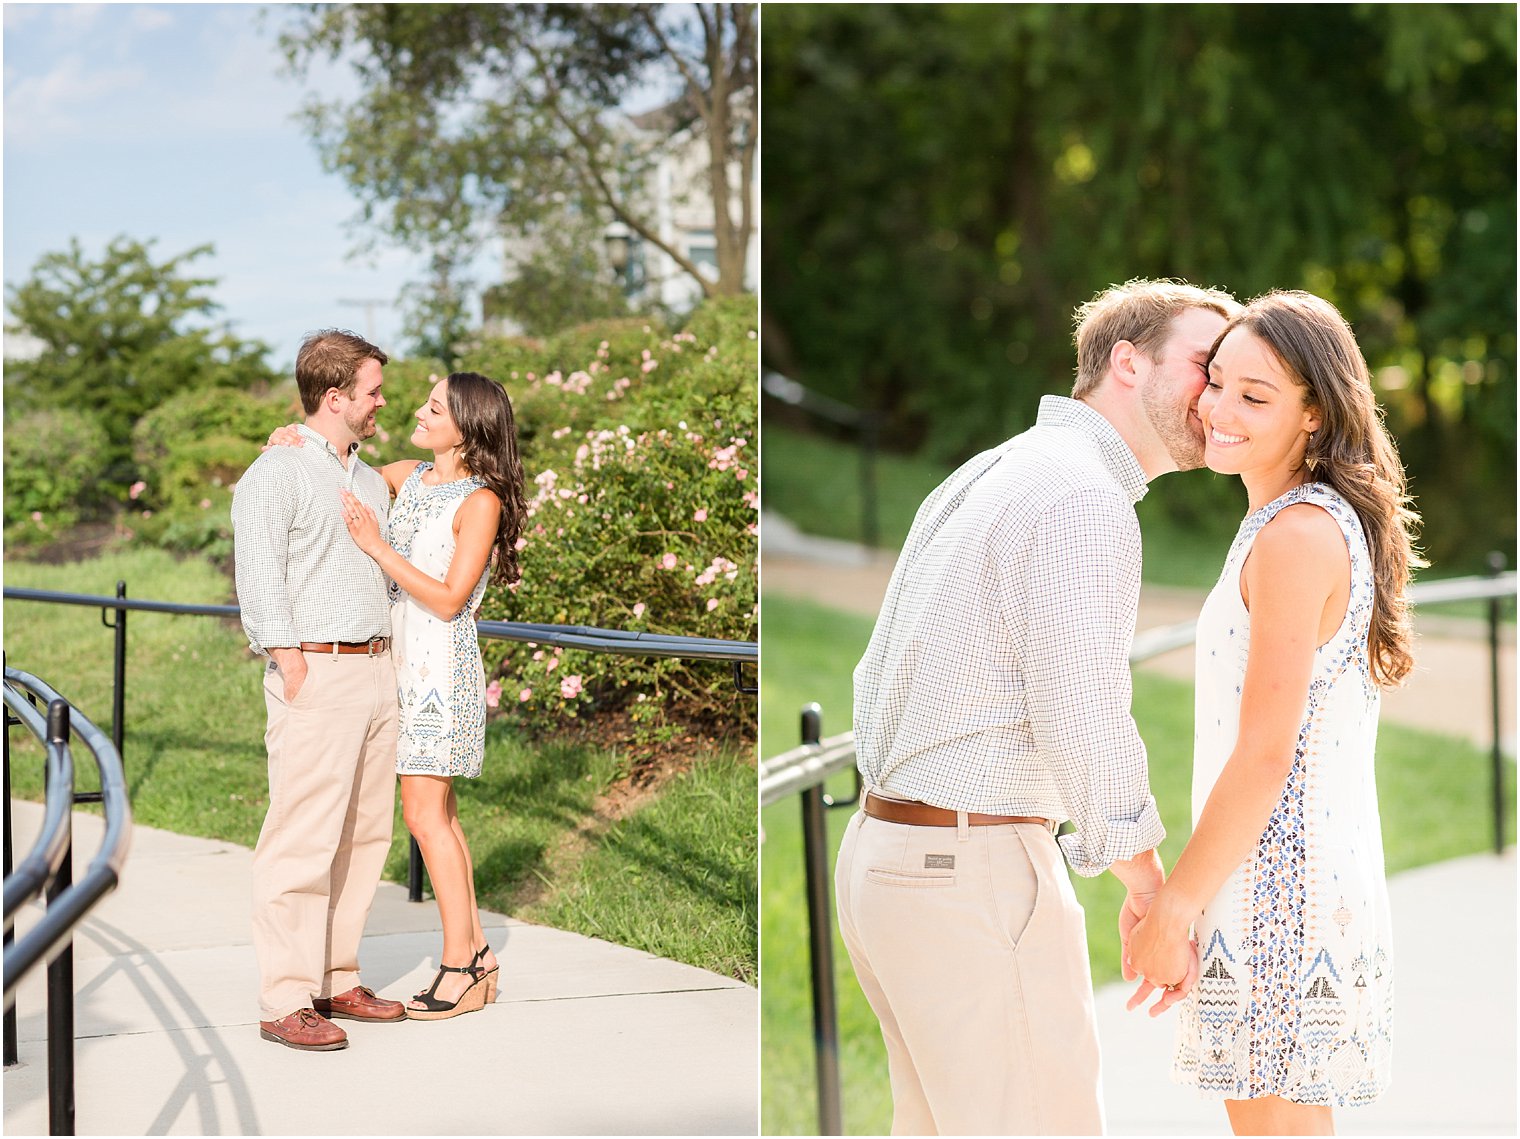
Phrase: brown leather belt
(923, 815)
(368, 648)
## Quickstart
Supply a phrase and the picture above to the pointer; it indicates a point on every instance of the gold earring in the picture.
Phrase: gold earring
(1310, 460)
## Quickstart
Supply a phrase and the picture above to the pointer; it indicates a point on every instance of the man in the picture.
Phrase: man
(316, 606)
(993, 702)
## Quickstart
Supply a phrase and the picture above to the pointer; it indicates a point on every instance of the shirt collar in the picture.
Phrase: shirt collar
(1059, 411)
(327, 444)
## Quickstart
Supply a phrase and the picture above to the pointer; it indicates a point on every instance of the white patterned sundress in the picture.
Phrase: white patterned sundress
(1295, 995)
(441, 685)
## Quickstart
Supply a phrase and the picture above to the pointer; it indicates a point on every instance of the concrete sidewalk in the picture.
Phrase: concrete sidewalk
(585, 1037)
(1454, 1021)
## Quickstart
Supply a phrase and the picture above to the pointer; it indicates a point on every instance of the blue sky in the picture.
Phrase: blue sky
(176, 122)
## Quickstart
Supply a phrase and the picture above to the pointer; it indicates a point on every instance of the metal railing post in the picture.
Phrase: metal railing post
(118, 670)
(815, 842)
(413, 870)
(60, 973)
(1496, 564)
(11, 1054)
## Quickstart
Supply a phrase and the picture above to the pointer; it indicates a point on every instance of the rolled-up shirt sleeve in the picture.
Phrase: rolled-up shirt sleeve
(263, 513)
(1072, 606)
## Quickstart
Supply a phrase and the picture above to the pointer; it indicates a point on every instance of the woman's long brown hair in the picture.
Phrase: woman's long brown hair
(483, 414)
(1352, 452)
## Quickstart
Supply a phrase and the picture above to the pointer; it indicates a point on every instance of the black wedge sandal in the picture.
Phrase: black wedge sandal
(471, 1000)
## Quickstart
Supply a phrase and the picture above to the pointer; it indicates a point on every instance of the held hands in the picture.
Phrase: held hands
(1164, 958)
(286, 436)
(362, 524)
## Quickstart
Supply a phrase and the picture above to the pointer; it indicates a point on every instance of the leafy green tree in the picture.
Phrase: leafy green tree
(119, 338)
(953, 180)
(478, 120)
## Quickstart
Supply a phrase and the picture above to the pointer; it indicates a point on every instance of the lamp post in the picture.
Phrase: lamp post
(615, 239)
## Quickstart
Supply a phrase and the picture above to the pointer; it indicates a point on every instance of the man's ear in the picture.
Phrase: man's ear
(1123, 361)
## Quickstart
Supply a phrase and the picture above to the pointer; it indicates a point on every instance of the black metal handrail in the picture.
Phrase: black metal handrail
(31, 877)
(623, 642)
(49, 867)
(803, 770)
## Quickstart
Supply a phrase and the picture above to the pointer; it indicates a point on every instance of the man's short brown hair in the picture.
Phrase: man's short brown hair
(330, 358)
(1140, 311)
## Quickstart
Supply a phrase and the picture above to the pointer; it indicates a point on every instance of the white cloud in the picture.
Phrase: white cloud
(20, 15)
(76, 18)
(150, 19)
(51, 104)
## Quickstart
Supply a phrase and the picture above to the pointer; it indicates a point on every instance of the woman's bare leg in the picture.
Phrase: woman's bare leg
(425, 803)
(477, 935)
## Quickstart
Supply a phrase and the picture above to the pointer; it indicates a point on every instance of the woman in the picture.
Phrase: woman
(1283, 876)
(447, 517)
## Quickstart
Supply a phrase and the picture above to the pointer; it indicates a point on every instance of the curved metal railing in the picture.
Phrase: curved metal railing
(48, 868)
(40, 868)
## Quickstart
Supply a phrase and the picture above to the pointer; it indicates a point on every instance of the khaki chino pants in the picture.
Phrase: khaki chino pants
(332, 786)
(970, 946)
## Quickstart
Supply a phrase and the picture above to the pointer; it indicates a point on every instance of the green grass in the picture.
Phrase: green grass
(195, 764)
(816, 484)
(1432, 791)
(693, 850)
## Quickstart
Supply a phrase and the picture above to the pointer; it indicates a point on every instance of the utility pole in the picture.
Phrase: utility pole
(369, 307)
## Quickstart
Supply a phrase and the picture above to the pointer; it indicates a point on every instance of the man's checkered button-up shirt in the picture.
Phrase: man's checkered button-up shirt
(997, 678)
(299, 575)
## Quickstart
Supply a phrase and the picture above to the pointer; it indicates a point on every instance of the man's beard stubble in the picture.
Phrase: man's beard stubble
(1174, 427)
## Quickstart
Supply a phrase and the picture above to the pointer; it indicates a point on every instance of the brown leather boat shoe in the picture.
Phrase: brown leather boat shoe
(305, 1030)
(359, 1003)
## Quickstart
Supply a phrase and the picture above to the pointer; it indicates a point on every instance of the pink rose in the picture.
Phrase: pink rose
(570, 687)
(525, 695)
(668, 561)
(638, 610)
(493, 694)
(700, 515)
(136, 489)
(712, 603)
